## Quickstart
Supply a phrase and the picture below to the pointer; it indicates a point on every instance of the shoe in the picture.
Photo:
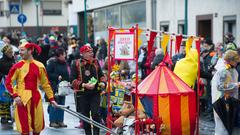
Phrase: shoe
(54, 124)
(61, 124)
(4, 120)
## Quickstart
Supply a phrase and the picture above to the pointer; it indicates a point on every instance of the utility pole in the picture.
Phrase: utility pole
(21, 12)
(186, 18)
(85, 22)
(37, 2)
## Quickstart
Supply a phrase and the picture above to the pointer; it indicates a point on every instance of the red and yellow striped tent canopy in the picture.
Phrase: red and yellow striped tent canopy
(163, 93)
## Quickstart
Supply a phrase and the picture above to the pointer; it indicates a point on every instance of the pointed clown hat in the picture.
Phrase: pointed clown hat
(31, 46)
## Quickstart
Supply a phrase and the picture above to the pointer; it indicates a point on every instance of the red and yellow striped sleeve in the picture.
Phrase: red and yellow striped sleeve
(11, 77)
(46, 84)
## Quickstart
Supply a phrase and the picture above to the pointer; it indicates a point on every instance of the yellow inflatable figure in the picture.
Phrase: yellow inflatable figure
(187, 68)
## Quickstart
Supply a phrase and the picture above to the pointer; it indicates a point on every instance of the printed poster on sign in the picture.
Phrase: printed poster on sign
(124, 46)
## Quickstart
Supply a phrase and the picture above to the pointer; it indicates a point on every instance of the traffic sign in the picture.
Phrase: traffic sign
(14, 8)
(22, 18)
(37, 2)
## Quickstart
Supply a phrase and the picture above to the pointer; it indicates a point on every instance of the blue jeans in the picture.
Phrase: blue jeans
(56, 114)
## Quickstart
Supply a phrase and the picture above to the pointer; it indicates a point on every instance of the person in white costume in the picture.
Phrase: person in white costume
(224, 80)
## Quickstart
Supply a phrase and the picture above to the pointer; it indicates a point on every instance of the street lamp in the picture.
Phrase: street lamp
(186, 18)
(37, 2)
(85, 22)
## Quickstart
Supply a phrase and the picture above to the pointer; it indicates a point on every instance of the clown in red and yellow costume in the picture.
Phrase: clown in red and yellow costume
(28, 74)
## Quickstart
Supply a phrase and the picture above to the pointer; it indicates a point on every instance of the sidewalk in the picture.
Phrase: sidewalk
(205, 127)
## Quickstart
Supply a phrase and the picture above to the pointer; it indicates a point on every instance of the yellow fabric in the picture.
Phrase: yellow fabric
(163, 84)
(38, 117)
(14, 77)
(164, 113)
(44, 80)
(26, 95)
(185, 115)
(189, 44)
(139, 39)
(164, 42)
(19, 76)
(140, 106)
(187, 68)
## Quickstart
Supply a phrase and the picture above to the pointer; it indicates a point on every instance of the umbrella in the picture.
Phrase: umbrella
(226, 115)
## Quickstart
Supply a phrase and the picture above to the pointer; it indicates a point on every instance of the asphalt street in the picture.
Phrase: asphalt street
(206, 127)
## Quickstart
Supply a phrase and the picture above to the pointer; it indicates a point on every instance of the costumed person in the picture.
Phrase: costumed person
(229, 42)
(117, 90)
(57, 70)
(6, 62)
(225, 82)
(28, 75)
(86, 74)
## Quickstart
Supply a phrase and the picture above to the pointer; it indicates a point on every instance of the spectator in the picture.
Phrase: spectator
(6, 62)
(158, 58)
(57, 70)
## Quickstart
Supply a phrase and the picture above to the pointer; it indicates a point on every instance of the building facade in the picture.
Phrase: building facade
(43, 16)
(210, 19)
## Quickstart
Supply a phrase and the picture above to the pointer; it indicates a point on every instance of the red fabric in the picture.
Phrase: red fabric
(198, 42)
(192, 112)
(31, 82)
(178, 43)
(32, 113)
(10, 75)
(15, 95)
(167, 59)
(111, 33)
(85, 48)
(155, 109)
(33, 46)
(149, 61)
(151, 41)
(131, 30)
(23, 118)
(175, 114)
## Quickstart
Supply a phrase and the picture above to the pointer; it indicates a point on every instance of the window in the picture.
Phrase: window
(229, 25)
(134, 13)
(100, 20)
(113, 17)
(180, 26)
(164, 26)
(1, 8)
(53, 7)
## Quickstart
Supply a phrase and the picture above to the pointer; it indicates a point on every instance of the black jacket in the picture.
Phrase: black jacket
(56, 68)
(5, 65)
(92, 68)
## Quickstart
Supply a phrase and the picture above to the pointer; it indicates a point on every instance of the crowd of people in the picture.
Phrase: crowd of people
(25, 64)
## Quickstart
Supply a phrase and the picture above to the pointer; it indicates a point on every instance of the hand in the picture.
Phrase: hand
(89, 86)
(59, 77)
(54, 103)
(18, 101)
(102, 85)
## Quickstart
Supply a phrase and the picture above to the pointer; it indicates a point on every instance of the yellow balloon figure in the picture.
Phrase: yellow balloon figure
(187, 68)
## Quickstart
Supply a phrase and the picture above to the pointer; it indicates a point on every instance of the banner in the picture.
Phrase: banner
(165, 41)
(124, 46)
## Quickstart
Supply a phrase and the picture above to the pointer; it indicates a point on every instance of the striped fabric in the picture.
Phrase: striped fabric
(175, 101)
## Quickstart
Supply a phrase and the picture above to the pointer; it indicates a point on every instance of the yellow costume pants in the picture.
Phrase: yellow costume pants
(30, 117)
